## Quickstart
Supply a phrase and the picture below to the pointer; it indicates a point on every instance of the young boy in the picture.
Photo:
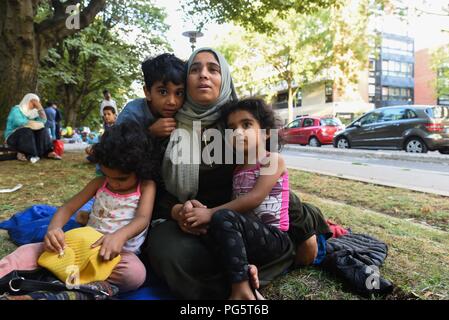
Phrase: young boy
(109, 116)
(109, 112)
(164, 94)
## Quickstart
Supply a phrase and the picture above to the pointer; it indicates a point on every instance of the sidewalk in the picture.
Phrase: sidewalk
(376, 154)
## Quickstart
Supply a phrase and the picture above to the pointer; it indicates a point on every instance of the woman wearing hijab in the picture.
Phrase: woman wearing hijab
(179, 254)
(25, 131)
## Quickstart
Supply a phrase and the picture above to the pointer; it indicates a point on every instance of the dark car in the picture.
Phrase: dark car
(413, 128)
(314, 131)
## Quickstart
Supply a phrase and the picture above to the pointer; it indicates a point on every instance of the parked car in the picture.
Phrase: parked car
(413, 128)
(314, 131)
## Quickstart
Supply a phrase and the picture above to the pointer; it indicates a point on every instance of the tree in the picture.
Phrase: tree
(250, 13)
(75, 73)
(25, 41)
(440, 64)
(80, 67)
(328, 44)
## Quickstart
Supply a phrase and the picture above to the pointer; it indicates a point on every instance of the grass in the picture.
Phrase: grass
(402, 203)
(418, 260)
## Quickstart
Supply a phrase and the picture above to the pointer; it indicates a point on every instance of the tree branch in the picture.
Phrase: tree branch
(54, 29)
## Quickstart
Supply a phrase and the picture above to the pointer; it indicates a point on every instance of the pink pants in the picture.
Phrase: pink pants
(128, 275)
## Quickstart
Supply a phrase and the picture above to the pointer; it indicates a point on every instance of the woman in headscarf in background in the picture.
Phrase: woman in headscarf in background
(25, 131)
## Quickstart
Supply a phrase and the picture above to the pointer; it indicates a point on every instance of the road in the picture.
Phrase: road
(418, 175)
(413, 175)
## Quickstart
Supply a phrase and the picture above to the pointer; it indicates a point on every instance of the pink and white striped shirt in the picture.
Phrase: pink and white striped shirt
(274, 208)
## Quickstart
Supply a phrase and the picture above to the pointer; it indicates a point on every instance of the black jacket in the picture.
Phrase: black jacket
(356, 259)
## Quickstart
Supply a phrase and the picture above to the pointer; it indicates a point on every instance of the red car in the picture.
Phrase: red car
(314, 131)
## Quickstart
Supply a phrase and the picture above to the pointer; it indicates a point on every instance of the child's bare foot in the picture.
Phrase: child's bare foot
(242, 291)
(253, 276)
(247, 290)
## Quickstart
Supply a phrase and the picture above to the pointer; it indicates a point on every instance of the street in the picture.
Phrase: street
(425, 173)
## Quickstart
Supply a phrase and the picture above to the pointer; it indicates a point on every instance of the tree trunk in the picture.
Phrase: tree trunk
(72, 104)
(18, 54)
(290, 102)
(23, 43)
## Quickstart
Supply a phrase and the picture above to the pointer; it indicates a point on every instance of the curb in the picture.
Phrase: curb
(379, 183)
(375, 154)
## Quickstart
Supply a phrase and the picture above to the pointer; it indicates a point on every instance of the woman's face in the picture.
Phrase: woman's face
(204, 79)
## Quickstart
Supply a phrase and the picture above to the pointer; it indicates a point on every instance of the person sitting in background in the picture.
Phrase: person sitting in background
(25, 131)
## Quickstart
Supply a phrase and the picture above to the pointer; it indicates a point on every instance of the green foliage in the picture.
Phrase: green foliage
(440, 64)
(328, 44)
(102, 56)
(249, 13)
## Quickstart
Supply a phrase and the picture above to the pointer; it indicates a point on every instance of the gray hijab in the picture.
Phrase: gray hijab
(181, 179)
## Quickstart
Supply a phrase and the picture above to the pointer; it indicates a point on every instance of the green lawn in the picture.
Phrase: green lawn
(413, 224)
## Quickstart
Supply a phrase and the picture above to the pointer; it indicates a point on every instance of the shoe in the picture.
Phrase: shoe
(34, 159)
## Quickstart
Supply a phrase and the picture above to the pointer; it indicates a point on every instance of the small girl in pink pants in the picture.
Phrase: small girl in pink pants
(122, 210)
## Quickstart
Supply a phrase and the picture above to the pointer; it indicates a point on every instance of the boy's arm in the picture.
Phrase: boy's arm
(247, 202)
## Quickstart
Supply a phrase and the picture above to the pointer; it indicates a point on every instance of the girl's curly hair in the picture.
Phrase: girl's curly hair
(129, 148)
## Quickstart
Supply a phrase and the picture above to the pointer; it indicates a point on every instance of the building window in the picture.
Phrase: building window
(397, 69)
(371, 90)
(397, 47)
(397, 94)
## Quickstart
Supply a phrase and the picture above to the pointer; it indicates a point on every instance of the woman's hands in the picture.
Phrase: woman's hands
(198, 216)
(111, 245)
(179, 213)
(54, 240)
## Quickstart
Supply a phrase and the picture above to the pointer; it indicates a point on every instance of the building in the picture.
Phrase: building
(392, 73)
(426, 79)
(389, 80)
